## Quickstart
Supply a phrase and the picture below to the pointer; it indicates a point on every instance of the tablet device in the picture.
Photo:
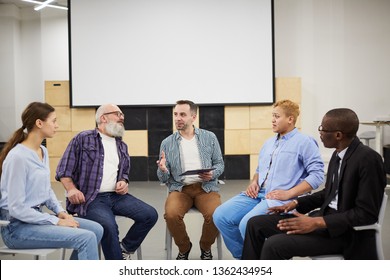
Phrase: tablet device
(196, 171)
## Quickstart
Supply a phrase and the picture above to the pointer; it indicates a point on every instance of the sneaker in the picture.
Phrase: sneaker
(184, 256)
(206, 255)
(125, 254)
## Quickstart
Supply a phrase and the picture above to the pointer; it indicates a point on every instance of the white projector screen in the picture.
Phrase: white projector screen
(155, 52)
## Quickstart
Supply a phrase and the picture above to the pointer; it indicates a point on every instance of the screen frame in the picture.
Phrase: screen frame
(74, 104)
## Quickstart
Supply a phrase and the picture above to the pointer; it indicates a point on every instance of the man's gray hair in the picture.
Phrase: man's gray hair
(99, 112)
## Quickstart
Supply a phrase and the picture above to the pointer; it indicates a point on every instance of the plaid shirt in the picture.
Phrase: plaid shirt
(83, 162)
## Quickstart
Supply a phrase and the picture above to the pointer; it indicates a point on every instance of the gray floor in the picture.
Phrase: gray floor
(153, 248)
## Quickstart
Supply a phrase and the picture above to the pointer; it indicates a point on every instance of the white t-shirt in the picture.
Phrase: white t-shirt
(190, 159)
(110, 165)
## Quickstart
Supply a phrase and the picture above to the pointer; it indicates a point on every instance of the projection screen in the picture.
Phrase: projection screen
(154, 52)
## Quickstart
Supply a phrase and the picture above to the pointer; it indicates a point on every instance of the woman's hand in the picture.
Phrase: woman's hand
(252, 190)
(68, 222)
(283, 208)
(64, 215)
(278, 194)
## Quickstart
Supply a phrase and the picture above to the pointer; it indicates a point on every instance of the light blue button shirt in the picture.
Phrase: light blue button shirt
(25, 184)
(295, 158)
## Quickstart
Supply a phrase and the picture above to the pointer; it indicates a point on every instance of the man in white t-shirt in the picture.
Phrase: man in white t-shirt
(188, 149)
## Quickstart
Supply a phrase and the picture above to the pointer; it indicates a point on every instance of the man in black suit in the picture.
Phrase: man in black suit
(352, 197)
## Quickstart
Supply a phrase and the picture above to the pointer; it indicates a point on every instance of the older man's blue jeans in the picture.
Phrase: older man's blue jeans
(110, 204)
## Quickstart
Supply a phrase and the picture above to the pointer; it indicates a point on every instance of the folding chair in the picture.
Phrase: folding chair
(378, 235)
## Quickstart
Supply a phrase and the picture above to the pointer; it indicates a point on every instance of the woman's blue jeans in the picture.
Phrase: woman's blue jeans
(232, 216)
(110, 204)
(84, 240)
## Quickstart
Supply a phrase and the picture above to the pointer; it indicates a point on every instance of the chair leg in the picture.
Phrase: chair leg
(139, 253)
(100, 251)
(40, 257)
(168, 243)
(379, 248)
(219, 246)
(63, 253)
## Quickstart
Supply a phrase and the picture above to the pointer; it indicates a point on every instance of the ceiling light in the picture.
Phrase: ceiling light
(45, 4)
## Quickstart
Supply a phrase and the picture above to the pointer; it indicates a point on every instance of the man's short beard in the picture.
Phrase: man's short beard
(185, 126)
(115, 129)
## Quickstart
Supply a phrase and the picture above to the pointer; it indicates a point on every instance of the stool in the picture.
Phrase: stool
(168, 239)
(367, 136)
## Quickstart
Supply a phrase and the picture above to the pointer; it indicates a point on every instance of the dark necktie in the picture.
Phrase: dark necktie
(335, 184)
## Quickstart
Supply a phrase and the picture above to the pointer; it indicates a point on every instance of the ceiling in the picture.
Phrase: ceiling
(22, 4)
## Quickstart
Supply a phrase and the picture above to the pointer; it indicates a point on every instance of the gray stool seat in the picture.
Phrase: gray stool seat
(367, 136)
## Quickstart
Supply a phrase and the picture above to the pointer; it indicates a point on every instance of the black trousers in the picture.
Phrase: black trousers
(263, 240)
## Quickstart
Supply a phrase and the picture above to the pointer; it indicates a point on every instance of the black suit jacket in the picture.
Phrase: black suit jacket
(362, 181)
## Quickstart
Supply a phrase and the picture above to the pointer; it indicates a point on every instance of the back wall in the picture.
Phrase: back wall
(241, 130)
(339, 49)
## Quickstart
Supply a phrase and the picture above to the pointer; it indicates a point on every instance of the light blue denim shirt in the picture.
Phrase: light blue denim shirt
(295, 157)
(210, 157)
(25, 185)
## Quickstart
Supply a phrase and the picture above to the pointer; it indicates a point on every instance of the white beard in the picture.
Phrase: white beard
(115, 129)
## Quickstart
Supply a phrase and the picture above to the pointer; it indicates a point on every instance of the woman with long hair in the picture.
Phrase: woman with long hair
(25, 187)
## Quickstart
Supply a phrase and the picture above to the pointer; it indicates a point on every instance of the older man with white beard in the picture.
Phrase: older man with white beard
(95, 173)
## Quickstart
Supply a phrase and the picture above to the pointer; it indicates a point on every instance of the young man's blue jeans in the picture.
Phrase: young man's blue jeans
(232, 216)
(110, 204)
(84, 240)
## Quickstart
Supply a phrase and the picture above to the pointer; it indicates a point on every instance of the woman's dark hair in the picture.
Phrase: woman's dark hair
(34, 111)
